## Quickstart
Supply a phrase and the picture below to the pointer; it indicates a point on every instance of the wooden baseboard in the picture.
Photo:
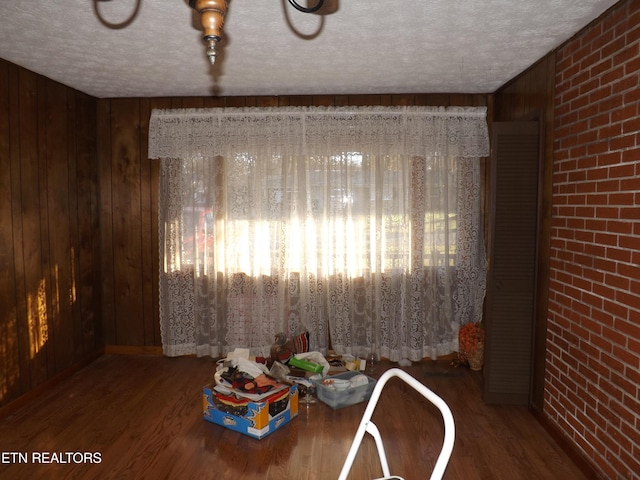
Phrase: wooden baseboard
(567, 447)
(36, 392)
(132, 350)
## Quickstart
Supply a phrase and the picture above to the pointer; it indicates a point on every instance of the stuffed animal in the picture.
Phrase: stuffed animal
(282, 349)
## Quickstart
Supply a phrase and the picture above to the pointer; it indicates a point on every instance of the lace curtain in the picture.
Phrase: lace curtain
(361, 226)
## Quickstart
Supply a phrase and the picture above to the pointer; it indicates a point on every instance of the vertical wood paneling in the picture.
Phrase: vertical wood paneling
(107, 297)
(45, 292)
(20, 301)
(74, 239)
(127, 233)
(147, 212)
(88, 255)
(34, 234)
(57, 188)
(10, 379)
(41, 200)
(149, 179)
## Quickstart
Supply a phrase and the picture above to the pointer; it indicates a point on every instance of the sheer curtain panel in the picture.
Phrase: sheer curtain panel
(361, 226)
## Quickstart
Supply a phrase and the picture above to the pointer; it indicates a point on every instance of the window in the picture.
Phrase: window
(349, 214)
(361, 227)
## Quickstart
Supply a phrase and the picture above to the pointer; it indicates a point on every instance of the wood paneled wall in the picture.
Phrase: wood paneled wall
(129, 198)
(49, 278)
(129, 233)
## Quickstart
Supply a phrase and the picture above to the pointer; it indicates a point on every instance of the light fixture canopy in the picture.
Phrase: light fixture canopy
(212, 14)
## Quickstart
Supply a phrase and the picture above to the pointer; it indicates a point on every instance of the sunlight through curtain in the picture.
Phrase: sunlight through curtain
(361, 226)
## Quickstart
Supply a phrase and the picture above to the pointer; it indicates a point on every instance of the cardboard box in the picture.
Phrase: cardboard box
(343, 398)
(254, 418)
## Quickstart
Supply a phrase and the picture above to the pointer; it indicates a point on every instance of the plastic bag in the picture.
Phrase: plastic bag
(315, 357)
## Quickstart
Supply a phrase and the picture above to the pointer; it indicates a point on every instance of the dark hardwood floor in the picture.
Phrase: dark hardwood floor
(141, 417)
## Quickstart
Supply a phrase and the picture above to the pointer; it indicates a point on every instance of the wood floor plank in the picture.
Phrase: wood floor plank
(142, 416)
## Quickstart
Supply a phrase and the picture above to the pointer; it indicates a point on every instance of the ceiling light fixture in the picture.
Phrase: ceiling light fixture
(116, 26)
(212, 14)
(312, 9)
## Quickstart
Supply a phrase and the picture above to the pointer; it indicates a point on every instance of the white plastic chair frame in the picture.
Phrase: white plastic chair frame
(366, 425)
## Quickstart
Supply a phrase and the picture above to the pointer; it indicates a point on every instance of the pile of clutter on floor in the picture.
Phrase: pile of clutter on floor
(290, 362)
(256, 395)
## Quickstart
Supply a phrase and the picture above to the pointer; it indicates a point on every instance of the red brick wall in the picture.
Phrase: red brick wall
(592, 388)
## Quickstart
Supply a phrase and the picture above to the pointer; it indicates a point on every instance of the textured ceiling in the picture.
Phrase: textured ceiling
(366, 46)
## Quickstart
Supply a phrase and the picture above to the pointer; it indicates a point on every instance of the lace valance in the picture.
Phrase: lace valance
(421, 131)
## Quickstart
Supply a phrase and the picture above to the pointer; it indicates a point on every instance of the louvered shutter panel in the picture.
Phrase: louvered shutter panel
(512, 260)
